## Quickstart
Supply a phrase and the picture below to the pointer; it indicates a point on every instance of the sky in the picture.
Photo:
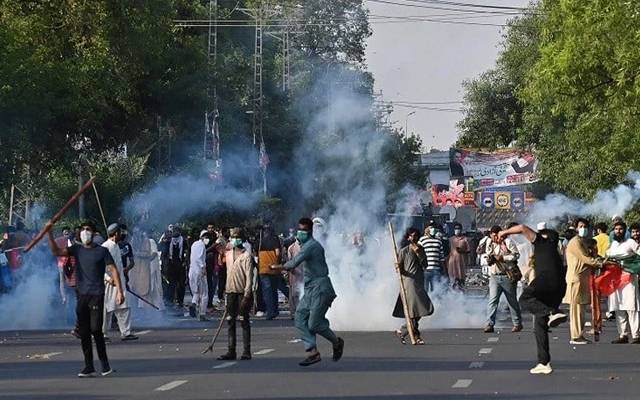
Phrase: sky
(427, 62)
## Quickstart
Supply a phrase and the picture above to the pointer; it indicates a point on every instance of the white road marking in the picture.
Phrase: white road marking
(476, 364)
(493, 339)
(169, 386)
(225, 365)
(486, 350)
(295, 341)
(143, 332)
(462, 383)
(45, 356)
(263, 352)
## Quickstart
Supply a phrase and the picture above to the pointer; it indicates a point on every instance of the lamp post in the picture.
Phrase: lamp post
(406, 122)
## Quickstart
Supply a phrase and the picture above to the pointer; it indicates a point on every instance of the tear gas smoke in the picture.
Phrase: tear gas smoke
(616, 201)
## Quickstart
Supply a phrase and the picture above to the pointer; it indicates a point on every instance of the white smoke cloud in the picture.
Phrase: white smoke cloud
(616, 201)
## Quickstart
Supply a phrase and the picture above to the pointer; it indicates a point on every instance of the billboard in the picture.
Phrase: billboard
(507, 167)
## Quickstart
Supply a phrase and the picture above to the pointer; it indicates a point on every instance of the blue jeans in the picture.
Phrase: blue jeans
(499, 284)
(432, 277)
(270, 286)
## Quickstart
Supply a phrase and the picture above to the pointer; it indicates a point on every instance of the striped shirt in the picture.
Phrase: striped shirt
(434, 250)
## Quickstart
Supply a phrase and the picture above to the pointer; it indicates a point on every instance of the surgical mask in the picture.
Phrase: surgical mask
(236, 242)
(302, 236)
(457, 232)
(432, 231)
(206, 242)
(582, 232)
(86, 237)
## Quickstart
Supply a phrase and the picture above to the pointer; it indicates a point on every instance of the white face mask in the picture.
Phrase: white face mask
(86, 237)
(582, 232)
(206, 241)
(457, 232)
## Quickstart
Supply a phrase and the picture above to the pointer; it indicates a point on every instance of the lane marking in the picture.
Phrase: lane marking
(476, 364)
(462, 383)
(45, 356)
(493, 339)
(225, 365)
(295, 341)
(143, 332)
(169, 386)
(263, 352)
(486, 350)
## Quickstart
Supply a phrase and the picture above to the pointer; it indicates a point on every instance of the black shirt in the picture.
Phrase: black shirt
(549, 284)
(92, 262)
(269, 242)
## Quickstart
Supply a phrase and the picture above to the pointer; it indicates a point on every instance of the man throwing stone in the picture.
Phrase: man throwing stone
(318, 295)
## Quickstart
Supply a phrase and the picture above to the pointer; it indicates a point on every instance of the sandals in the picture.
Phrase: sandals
(400, 336)
(419, 341)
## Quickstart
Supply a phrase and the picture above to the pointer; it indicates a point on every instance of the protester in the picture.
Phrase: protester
(140, 276)
(92, 263)
(126, 250)
(155, 296)
(411, 260)
(68, 278)
(481, 252)
(112, 307)
(602, 239)
(198, 277)
(579, 267)
(239, 290)
(318, 295)
(434, 253)
(269, 254)
(211, 262)
(456, 262)
(176, 268)
(503, 263)
(543, 295)
(625, 301)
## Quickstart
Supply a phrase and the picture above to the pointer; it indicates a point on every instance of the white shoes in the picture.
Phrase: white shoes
(260, 314)
(541, 369)
(557, 319)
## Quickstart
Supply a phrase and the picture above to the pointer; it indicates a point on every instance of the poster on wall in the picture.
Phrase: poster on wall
(448, 195)
(487, 199)
(501, 168)
(503, 200)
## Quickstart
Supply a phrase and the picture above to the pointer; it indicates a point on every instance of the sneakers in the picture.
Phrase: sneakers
(106, 370)
(620, 340)
(312, 359)
(541, 369)
(488, 329)
(556, 319)
(338, 349)
(87, 372)
(516, 328)
(580, 340)
(260, 314)
(246, 355)
(130, 336)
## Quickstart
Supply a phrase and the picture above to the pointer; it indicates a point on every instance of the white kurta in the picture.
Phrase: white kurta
(155, 281)
(111, 291)
(625, 298)
(198, 276)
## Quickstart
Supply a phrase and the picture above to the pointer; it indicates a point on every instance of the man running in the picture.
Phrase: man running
(318, 295)
(92, 262)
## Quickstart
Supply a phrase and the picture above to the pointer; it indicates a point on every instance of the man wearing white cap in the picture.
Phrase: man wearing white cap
(198, 276)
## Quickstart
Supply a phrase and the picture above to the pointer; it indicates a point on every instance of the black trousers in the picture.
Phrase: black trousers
(89, 313)
(222, 283)
(176, 288)
(234, 311)
(540, 313)
(212, 282)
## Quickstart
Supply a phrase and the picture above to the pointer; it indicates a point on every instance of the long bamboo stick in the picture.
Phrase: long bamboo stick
(47, 227)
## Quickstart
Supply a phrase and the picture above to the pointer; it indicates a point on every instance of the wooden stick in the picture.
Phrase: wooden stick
(215, 336)
(59, 214)
(403, 293)
(104, 220)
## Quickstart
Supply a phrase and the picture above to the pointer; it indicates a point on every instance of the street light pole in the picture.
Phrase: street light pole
(406, 122)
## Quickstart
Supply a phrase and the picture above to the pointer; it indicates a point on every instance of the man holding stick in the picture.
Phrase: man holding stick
(411, 259)
(92, 263)
(318, 295)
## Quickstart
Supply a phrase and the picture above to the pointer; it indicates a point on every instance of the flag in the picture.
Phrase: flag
(264, 157)
(611, 279)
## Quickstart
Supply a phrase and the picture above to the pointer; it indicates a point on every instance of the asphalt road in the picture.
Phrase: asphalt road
(167, 364)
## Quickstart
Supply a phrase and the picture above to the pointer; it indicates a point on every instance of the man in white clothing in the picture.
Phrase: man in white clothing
(111, 306)
(624, 301)
(198, 276)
